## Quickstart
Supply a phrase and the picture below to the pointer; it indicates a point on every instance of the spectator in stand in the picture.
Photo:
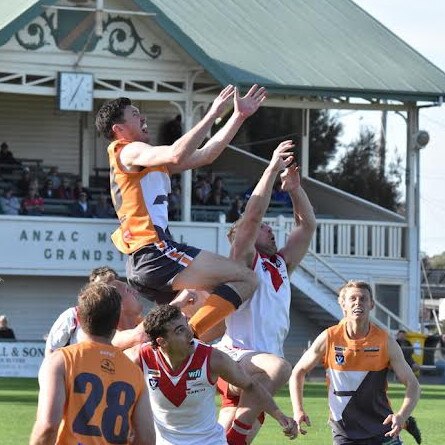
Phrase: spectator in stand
(81, 208)
(172, 131)
(24, 182)
(54, 176)
(219, 195)
(5, 331)
(79, 188)
(280, 196)
(48, 191)
(103, 208)
(9, 203)
(174, 203)
(236, 210)
(65, 191)
(7, 160)
(32, 203)
(407, 349)
(202, 190)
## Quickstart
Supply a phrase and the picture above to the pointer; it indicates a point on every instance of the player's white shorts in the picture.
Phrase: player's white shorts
(236, 354)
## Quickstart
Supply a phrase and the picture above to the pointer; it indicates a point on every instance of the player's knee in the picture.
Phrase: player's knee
(284, 371)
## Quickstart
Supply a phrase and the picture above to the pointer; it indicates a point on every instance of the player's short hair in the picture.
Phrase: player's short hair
(110, 113)
(354, 284)
(103, 273)
(155, 322)
(99, 309)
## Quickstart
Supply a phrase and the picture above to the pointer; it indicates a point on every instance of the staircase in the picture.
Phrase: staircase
(315, 285)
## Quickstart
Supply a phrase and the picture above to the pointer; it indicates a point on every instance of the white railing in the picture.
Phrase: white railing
(352, 238)
(386, 319)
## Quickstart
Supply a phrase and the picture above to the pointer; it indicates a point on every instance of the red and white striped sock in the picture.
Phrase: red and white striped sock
(238, 433)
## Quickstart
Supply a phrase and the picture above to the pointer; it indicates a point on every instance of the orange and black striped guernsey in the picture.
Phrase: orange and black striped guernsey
(141, 202)
(356, 372)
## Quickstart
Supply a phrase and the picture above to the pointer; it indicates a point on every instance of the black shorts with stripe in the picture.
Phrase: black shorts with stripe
(378, 440)
(151, 269)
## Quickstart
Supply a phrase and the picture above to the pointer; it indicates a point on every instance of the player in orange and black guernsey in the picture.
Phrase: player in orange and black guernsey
(357, 355)
(157, 266)
(90, 392)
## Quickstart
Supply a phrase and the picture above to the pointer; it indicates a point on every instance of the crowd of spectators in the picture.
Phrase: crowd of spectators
(26, 192)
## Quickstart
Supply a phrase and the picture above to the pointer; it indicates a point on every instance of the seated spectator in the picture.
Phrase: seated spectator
(103, 207)
(174, 204)
(171, 131)
(9, 203)
(32, 203)
(236, 210)
(24, 182)
(201, 191)
(64, 191)
(280, 196)
(81, 208)
(218, 195)
(7, 159)
(79, 188)
(54, 176)
(5, 331)
(48, 191)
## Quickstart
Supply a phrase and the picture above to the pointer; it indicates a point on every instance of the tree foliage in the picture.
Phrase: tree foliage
(436, 261)
(357, 172)
(324, 132)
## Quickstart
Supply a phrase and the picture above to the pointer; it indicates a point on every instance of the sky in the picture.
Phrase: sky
(420, 24)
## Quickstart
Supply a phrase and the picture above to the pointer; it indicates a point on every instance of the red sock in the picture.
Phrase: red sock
(238, 433)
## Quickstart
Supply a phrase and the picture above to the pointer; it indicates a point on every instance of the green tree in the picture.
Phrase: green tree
(437, 261)
(324, 132)
(357, 172)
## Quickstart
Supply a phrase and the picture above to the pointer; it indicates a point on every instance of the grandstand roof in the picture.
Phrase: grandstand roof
(319, 48)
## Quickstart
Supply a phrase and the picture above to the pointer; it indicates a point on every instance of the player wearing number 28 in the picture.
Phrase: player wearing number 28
(90, 392)
(157, 266)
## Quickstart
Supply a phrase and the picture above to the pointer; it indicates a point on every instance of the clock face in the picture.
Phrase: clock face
(75, 91)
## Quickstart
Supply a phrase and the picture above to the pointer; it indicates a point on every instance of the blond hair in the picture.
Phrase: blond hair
(354, 284)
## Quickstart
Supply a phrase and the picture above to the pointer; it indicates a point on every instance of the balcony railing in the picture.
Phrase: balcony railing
(352, 238)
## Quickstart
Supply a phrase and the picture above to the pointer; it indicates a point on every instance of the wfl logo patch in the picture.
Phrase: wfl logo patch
(154, 383)
(339, 359)
(194, 373)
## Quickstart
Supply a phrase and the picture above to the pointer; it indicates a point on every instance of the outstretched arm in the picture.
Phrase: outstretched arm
(243, 245)
(412, 393)
(51, 400)
(300, 238)
(307, 362)
(243, 108)
(145, 155)
(230, 371)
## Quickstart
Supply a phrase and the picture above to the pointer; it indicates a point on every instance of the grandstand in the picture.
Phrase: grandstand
(172, 60)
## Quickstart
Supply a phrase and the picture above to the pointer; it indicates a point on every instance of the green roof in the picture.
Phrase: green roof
(301, 47)
(320, 47)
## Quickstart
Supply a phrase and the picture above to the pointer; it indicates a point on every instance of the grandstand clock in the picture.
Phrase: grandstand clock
(75, 91)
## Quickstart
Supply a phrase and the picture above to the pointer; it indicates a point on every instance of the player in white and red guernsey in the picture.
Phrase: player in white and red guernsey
(255, 333)
(181, 375)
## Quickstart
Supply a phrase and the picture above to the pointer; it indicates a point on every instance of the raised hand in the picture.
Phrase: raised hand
(220, 103)
(290, 178)
(282, 156)
(248, 104)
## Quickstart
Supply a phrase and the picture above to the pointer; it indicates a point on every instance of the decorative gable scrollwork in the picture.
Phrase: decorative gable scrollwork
(120, 36)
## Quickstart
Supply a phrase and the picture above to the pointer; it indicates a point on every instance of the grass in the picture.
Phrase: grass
(18, 401)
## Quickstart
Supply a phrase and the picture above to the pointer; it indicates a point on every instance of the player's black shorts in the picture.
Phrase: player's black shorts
(378, 440)
(151, 269)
